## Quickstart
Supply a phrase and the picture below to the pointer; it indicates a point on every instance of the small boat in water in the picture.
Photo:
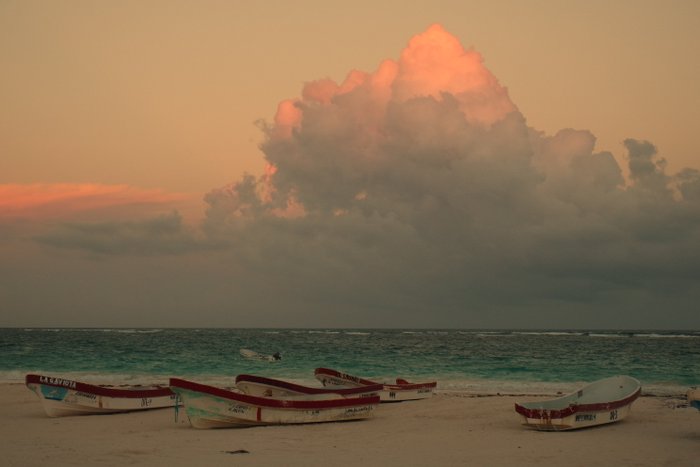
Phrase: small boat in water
(253, 355)
(62, 397)
(212, 407)
(268, 387)
(604, 401)
(402, 390)
(694, 397)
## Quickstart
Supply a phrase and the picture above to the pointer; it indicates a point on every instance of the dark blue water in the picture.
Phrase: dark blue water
(464, 360)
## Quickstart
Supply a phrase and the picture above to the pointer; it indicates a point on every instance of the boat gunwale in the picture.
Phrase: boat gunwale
(132, 392)
(269, 402)
(387, 386)
(307, 389)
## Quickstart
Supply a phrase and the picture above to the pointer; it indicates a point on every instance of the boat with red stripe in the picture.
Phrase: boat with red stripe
(269, 387)
(213, 407)
(604, 401)
(402, 390)
(63, 397)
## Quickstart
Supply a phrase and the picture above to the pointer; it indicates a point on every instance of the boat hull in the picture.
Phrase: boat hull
(253, 355)
(268, 387)
(62, 397)
(605, 401)
(399, 392)
(578, 420)
(210, 407)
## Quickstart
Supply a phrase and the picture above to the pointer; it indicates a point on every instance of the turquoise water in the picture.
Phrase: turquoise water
(460, 360)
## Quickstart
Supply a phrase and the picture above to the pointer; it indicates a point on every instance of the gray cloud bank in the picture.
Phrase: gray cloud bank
(161, 235)
(424, 210)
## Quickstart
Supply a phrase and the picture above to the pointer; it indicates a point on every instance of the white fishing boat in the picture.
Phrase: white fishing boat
(402, 390)
(212, 407)
(604, 401)
(694, 398)
(268, 387)
(62, 397)
(253, 355)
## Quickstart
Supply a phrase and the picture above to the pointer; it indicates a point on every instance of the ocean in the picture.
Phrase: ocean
(470, 361)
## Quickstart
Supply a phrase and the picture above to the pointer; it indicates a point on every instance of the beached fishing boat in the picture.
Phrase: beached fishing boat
(268, 387)
(212, 407)
(402, 390)
(253, 355)
(604, 401)
(694, 398)
(62, 397)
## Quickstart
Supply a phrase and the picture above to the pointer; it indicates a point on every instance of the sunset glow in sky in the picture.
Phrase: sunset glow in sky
(462, 164)
(64, 199)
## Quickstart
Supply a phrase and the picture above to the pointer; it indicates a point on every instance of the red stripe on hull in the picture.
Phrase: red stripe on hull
(600, 407)
(267, 402)
(305, 389)
(401, 385)
(107, 391)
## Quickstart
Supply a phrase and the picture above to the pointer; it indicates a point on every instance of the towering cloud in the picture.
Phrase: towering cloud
(419, 188)
(420, 185)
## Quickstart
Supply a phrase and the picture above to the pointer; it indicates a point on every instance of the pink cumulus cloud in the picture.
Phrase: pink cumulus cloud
(433, 63)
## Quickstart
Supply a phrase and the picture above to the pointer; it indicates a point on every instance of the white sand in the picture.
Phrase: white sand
(447, 430)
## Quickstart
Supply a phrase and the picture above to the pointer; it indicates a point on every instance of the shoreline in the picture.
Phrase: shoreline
(446, 430)
(484, 387)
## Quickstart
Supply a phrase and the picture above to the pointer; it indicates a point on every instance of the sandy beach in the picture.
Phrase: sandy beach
(449, 429)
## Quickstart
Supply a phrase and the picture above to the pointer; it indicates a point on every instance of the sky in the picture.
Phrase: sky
(443, 164)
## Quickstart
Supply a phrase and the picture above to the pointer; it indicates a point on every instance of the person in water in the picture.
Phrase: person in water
(277, 356)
